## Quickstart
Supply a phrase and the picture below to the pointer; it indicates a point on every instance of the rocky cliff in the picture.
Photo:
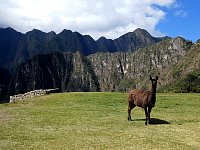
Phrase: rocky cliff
(118, 71)
(121, 71)
(66, 71)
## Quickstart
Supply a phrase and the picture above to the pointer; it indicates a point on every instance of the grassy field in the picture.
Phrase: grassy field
(99, 121)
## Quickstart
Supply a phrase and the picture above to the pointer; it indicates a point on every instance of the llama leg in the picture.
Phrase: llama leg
(130, 107)
(146, 114)
(149, 112)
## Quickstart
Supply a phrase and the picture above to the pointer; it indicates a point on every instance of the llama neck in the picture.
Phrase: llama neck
(153, 95)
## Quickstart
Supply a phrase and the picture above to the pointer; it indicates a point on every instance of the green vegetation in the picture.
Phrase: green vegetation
(189, 83)
(99, 121)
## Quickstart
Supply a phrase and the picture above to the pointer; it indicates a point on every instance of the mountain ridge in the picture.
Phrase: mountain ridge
(32, 43)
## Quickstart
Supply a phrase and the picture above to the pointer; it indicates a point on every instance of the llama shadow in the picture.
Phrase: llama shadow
(154, 121)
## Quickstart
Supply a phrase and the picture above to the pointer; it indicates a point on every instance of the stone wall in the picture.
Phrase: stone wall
(32, 94)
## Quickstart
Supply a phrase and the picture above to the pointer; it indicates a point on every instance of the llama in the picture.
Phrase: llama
(143, 98)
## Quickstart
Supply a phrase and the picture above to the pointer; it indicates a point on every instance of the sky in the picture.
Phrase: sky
(108, 18)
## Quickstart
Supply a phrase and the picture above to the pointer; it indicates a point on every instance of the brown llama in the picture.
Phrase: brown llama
(143, 98)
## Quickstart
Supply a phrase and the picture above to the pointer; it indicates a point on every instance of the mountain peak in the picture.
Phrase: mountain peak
(66, 31)
(102, 38)
(139, 32)
(51, 33)
(35, 31)
(8, 29)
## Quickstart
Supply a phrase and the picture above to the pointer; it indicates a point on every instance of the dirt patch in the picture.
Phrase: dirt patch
(5, 116)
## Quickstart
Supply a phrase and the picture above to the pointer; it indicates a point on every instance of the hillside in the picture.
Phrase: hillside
(118, 71)
(186, 72)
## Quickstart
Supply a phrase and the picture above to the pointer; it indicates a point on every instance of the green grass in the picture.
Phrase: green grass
(99, 121)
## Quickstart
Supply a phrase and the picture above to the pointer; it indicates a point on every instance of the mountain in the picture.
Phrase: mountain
(170, 59)
(138, 39)
(10, 41)
(74, 62)
(186, 72)
(17, 48)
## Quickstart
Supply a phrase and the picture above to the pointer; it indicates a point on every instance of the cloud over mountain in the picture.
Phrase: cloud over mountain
(108, 18)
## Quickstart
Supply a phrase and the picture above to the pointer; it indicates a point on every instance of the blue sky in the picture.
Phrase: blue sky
(108, 18)
(182, 20)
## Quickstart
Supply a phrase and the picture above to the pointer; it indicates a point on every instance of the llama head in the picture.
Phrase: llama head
(154, 81)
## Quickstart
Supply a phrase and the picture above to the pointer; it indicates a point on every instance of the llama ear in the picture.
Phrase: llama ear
(156, 77)
(150, 78)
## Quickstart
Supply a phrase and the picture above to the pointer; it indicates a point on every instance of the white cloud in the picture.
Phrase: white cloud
(181, 13)
(109, 18)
